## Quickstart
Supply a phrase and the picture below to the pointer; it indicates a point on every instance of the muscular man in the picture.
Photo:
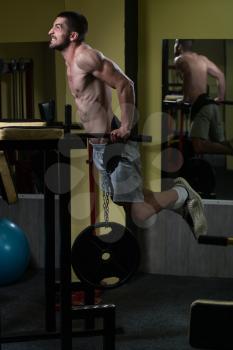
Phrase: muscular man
(207, 132)
(91, 77)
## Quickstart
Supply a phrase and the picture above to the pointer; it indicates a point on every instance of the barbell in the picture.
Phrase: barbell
(215, 240)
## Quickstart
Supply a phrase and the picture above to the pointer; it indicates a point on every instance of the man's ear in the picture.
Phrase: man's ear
(74, 36)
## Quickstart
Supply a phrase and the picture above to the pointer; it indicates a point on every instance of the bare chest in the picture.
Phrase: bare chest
(77, 81)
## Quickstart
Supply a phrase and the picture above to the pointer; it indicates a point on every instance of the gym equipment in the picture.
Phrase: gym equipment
(176, 126)
(196, 170)
(112, 156)
(211, 324)
(21, 97)
(211, 320)
(3, 67)
(106, 260)
(200, 175)
(7, 183)
(54, 140)
(14, 252)
(215, 240)
(47, 110)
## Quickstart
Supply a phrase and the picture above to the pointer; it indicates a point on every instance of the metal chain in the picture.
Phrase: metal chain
(106, 195)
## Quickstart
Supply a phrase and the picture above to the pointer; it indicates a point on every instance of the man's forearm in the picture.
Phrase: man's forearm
(127, 105)
(204, 146)
(221, 88)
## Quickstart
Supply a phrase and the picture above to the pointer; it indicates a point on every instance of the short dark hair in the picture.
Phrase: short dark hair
(76, 23)
(186, 44)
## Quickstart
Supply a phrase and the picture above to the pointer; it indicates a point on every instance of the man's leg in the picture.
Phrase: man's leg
(181, 198)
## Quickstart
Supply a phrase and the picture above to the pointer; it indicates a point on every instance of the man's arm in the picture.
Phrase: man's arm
(108, 72)
(215, 72)
(201, 146)
(111, 74)
(179, 63)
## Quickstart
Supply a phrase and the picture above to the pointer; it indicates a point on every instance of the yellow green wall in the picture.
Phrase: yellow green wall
(27, 21)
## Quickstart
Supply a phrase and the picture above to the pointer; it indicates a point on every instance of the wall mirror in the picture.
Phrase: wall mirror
(210, 174)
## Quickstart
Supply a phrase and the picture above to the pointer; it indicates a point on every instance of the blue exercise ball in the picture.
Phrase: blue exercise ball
(14, 252)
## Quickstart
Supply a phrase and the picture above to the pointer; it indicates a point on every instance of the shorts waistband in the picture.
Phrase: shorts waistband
(202, 100)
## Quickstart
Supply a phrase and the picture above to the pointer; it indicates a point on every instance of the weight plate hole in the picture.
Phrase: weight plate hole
(106, 256)
(110, 281)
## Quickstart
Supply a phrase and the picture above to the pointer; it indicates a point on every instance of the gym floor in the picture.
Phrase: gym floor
(153, 311)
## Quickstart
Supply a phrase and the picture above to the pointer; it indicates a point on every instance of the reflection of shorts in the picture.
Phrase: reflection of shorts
(125, 182)
(207, 124)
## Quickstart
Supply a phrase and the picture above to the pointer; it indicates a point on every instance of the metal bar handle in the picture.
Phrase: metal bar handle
(215, 240)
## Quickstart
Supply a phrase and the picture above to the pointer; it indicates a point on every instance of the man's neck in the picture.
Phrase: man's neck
(69, 52)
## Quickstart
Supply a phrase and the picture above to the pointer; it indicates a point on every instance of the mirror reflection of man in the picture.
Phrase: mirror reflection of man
(207, 132)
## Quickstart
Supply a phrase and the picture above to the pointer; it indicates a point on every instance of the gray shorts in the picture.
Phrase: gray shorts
(207, 124)
(125, 182)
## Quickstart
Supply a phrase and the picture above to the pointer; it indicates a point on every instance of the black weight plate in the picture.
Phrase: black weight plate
(107, 260)
(200, 174)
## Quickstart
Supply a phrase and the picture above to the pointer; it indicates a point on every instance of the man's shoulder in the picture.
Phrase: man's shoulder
(88, 58)
(89, 52)
(179, 60)
(189, 57)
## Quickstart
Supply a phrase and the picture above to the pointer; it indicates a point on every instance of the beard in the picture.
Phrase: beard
(61, 46)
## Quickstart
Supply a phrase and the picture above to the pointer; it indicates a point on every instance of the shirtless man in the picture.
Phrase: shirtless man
(207, 130)
(91, 77)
